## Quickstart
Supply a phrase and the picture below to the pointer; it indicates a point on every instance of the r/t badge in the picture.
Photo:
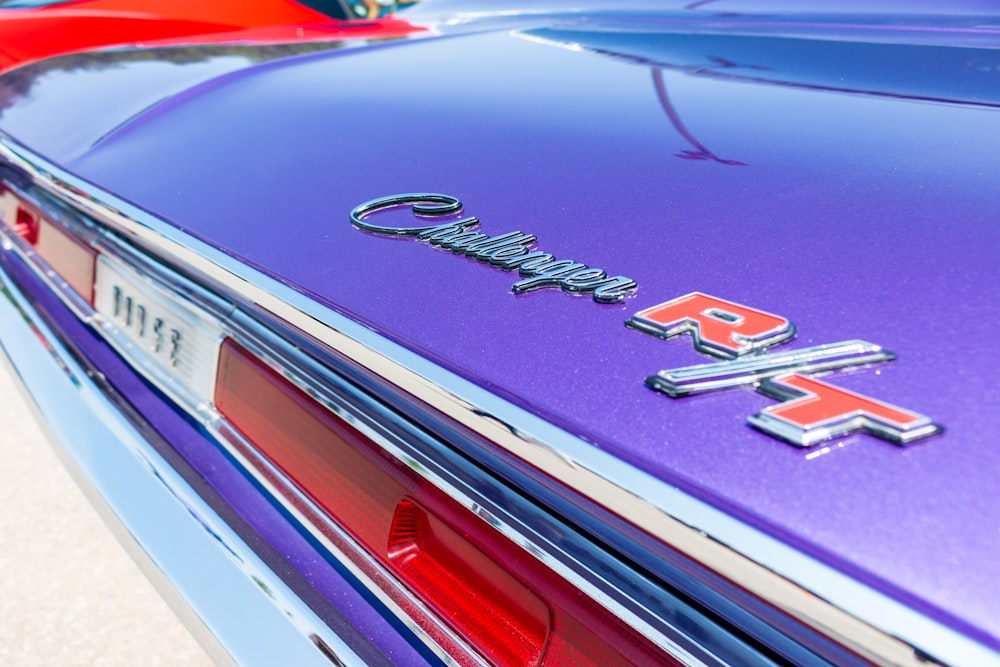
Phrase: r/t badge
(719, 328)
(812, 411)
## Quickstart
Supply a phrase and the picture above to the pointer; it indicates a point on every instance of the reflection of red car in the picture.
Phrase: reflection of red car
(35, 29)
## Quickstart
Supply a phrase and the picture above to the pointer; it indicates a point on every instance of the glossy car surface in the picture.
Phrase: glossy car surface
(833, 167)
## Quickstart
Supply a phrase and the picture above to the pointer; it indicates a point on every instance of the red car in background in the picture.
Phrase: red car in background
(34, 29)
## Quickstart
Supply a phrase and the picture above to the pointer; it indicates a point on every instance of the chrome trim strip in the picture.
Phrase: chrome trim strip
(860, 618)
(178, 539)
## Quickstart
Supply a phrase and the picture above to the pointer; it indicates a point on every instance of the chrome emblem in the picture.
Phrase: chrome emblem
(812, 411)
(754, 369)
(719, 328)
(509, 251)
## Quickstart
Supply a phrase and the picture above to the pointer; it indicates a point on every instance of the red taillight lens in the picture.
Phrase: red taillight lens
(508, 605)
(498, 612)
(26, 225)
(73, 260)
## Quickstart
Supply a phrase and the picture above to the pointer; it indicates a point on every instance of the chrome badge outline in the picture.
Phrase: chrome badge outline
(741, 335)
(799, 392)
(711, 311)
(509, 251)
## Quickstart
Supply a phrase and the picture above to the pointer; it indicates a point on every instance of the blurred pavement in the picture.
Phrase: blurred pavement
(72, 596)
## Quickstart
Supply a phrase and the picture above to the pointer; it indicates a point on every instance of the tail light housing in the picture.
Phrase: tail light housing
(74, 261)
(70, 258)
(503, 601)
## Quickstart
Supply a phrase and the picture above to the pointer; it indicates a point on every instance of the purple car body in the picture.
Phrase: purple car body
(835, 167)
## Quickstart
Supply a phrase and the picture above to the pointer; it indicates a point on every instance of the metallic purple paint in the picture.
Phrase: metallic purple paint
(867, 212)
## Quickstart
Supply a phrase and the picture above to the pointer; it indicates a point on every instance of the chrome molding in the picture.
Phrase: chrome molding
(860, 618)
(170, 531)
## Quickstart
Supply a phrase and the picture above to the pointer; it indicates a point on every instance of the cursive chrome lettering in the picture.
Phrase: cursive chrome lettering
(510, 251)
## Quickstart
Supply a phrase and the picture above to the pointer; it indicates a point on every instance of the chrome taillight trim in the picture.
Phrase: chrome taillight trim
(858, 617)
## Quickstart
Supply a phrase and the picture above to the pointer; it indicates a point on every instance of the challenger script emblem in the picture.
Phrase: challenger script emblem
(509, 251)
(812, 411)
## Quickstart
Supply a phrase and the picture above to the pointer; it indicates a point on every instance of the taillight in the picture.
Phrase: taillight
(26, 225)
(503, 601)
(70, 258)
(73, 260)
(499, 613)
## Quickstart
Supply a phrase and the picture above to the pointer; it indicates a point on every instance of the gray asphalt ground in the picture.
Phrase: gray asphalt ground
(71, 595)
